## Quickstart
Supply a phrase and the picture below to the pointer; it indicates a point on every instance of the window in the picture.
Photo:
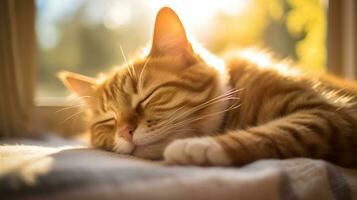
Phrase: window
(86, 36)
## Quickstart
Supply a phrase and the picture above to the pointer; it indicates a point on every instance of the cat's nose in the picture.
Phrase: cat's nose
(127, 132)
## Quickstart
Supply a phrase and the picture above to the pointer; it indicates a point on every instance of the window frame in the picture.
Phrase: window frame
(341, 38)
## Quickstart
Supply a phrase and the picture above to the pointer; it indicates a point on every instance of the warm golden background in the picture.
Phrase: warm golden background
(85, 36)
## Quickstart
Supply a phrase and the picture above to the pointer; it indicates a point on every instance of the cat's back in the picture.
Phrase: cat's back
(267, 86)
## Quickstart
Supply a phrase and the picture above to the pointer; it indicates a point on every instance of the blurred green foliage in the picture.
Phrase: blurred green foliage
(85, 36)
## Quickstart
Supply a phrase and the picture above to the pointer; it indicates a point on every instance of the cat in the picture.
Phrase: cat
(174, 104)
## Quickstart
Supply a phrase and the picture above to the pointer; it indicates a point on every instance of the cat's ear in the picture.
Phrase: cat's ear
(81, 85)
(169, 35)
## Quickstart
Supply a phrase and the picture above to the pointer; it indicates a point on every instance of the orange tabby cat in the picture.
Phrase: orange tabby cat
(175, 104)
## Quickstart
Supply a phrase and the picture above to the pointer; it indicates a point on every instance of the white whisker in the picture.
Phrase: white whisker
(70, 107)
(142, 71)
(189, 120)
(133, 68)
(220, 98)
(71, 116)
(126, 62)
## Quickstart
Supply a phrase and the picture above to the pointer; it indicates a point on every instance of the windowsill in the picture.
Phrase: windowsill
(59, 115)
(53, 102)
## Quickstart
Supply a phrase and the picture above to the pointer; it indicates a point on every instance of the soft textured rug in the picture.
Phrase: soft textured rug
(69, 170)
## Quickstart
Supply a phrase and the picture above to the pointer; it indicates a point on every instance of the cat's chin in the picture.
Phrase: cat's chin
(155, 150)
(144, 152)
(152, 151)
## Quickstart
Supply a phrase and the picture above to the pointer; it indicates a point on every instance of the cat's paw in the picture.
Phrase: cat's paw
(196, 151)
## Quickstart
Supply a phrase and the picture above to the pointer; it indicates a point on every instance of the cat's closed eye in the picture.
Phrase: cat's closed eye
(106, 121)
(105, 125)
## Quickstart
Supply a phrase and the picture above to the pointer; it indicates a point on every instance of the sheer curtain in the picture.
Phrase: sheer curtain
(342, 40)
(17, 66)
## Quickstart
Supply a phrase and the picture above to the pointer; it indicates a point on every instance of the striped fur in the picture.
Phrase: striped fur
(188, 110)
(160, 103)
(285, 116)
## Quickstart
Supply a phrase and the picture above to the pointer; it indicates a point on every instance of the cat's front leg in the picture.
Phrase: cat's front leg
(196, 151)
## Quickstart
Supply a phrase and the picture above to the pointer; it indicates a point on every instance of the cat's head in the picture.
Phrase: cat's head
(141, 107)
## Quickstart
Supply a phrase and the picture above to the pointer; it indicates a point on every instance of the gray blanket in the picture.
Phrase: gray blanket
(63, 171)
